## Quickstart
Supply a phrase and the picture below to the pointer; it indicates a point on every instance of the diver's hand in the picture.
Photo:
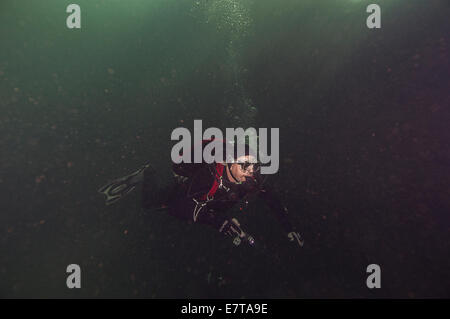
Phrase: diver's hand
(296, 237)
(232, 228)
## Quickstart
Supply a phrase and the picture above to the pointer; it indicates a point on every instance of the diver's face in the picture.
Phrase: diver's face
(239, 173)
(238, 170)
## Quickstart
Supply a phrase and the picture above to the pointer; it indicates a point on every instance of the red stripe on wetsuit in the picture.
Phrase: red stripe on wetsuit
(215, 186)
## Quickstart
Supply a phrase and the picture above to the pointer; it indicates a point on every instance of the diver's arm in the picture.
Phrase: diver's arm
(229, 227)
(275, 205)
(282, 214)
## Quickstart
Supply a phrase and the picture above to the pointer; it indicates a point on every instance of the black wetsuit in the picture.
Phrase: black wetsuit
(187, 197)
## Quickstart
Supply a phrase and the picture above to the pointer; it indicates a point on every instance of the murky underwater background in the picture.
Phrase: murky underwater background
(363, 117)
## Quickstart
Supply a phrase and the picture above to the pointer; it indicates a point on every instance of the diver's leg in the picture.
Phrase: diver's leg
(150, 190)
(155, 196)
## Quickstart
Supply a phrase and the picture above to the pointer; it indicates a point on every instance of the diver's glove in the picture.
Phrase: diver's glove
(232, 228)
(296, 237)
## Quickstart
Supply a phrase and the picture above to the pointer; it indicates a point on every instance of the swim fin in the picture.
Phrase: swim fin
(122, 186)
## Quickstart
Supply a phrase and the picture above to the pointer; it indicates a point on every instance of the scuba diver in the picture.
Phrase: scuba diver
(203, 193)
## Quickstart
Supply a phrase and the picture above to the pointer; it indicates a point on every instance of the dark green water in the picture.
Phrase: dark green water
(363, 117)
